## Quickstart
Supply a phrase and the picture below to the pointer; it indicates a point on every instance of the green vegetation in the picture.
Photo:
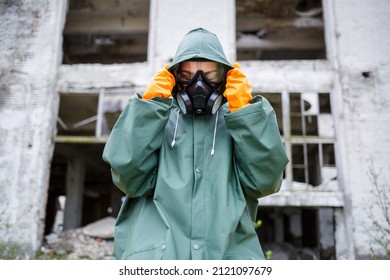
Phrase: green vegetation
(380, 231)
(268, 253)
(9, 251)
(40, 255)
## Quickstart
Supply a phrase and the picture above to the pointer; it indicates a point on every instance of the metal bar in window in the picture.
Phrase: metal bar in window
(321, 161)
(311, 140)
(306, 162)
(99, 121)
(303, 123)
(84, 122)
(287, 136)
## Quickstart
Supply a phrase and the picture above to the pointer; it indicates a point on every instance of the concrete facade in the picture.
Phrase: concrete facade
(354, 73)
(360, 58)
(30, 47)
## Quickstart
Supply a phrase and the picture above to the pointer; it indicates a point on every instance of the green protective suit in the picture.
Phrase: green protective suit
(192, 183)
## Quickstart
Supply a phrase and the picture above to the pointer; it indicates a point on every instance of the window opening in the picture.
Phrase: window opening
(106, 32)
(306, 124)
(297, 233)
(280, 30)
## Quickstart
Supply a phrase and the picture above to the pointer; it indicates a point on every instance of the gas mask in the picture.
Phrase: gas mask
(198, 95)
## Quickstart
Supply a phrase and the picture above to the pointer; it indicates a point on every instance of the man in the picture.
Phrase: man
(193, 155)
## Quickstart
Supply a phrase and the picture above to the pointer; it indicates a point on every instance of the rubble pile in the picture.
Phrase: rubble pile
(92, 242)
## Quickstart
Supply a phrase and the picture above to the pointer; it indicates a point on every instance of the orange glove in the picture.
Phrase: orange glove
(161, 84)
(238, 91)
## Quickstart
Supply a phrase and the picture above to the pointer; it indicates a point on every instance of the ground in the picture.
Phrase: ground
(75, 245)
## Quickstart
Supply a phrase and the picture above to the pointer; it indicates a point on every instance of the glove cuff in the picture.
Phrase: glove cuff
(161, 85)
(238, 90)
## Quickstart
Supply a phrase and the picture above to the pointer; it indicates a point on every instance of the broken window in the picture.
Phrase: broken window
(106, 32)
(91, 112)
(306, 124)
(77, 114)
(279, 30)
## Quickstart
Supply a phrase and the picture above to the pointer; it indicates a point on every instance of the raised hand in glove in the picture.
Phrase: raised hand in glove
(161, 84)
(238, 91)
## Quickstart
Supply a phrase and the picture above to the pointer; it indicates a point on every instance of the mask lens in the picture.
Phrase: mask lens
(185, 76)
(213, 74)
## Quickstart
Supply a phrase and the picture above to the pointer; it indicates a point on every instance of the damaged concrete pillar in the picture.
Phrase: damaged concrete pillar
(295, 227)
(75, 176)
(326, 231)
(279, 226)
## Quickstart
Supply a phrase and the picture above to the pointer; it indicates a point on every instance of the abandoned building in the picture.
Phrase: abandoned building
(68, 68)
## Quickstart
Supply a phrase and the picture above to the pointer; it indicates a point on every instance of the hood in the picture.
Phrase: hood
(200, 43)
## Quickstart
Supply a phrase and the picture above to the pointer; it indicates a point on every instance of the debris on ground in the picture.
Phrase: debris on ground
(94, 241)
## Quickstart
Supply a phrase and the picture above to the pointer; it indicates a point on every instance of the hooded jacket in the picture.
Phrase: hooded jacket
(192, 183)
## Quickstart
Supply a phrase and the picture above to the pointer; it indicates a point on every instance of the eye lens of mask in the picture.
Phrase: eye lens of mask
(213, 76)
(185, 76)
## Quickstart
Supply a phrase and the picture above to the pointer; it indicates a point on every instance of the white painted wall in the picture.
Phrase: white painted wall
(360, 43)
(30, 48)
(170, 20)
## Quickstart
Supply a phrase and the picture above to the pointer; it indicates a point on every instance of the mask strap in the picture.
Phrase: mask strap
(215, 133)
(174, 134)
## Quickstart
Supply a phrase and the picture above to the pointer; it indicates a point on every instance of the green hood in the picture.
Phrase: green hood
(200, 43)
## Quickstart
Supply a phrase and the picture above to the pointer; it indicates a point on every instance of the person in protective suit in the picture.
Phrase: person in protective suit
(193, 155)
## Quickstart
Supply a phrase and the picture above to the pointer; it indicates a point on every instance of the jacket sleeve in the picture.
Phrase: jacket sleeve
(258, 148)
(133, 146)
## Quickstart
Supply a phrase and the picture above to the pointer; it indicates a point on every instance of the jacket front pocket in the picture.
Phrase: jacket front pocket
(156, 253)
(146, 232)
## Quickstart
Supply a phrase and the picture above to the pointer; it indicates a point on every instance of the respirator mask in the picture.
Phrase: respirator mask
(200, 93)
